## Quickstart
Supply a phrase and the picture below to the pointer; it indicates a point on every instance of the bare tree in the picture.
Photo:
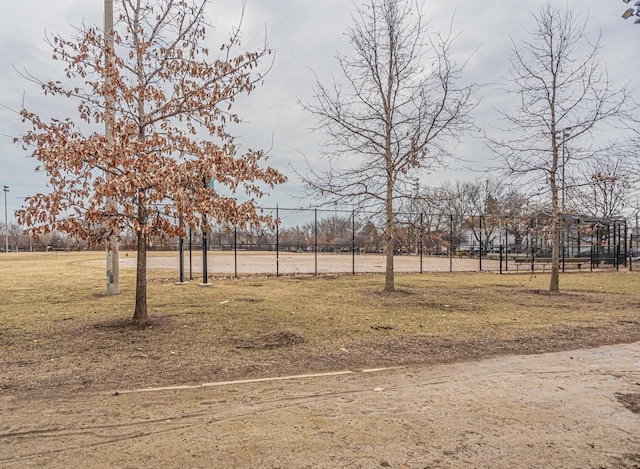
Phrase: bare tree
(397, 111)
(14, 235)
(485, 202)
(369, 237)
(602, 187)
(448, 207)
(296, 238)
(563, 93)
(172, 104)
(335, 232)
(516, 209)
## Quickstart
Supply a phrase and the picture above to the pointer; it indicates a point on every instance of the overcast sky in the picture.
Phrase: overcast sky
(306, 36)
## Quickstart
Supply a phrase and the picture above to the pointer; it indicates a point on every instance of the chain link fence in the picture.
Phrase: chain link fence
(319, 241)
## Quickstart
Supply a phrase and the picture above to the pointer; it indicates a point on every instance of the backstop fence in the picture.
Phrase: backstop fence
(314, 241)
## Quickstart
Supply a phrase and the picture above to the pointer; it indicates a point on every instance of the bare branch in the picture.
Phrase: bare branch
(391, 115)
(564, 94)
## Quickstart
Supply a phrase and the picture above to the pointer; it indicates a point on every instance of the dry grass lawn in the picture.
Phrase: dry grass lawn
(60, 333)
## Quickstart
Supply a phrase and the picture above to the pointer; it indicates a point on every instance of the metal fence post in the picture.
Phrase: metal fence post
(531, 248)
(190, 254)
(277, 242)
(205, 276)
(353, 242)
(235, 251)
(315, 240)
(631, 252)
(626, 234)
(480, 240)
(181, 247)
(451, 242)
(421, 239)
(506, 249)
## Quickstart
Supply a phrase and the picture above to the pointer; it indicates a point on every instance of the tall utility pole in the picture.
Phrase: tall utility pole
(637, 235)
(113, 262)
(566, 133)
(6, 220)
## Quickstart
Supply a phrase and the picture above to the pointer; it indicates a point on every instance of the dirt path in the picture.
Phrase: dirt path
(569, 409)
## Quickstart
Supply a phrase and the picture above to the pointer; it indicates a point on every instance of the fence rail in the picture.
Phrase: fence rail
(316, 241)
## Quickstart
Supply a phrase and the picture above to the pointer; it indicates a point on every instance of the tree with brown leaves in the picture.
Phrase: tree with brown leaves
(171, 138)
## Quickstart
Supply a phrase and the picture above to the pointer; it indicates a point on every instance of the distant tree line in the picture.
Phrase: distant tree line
(437, 219)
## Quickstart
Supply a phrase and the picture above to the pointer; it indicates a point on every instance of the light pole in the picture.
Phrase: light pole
(635, 11)
(112, 261)
(6, 220)
(565, 246)
(566, 132)
(637, 235)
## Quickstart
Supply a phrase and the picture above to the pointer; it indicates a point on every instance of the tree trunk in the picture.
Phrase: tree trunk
(554, 284)
(389, 279)
(140, 313)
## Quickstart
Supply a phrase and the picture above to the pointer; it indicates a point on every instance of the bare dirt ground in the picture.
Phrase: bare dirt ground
(496, 372)
(576, 409)
(250, 262)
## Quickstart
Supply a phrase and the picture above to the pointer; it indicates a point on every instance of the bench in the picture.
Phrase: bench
(546, 261)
